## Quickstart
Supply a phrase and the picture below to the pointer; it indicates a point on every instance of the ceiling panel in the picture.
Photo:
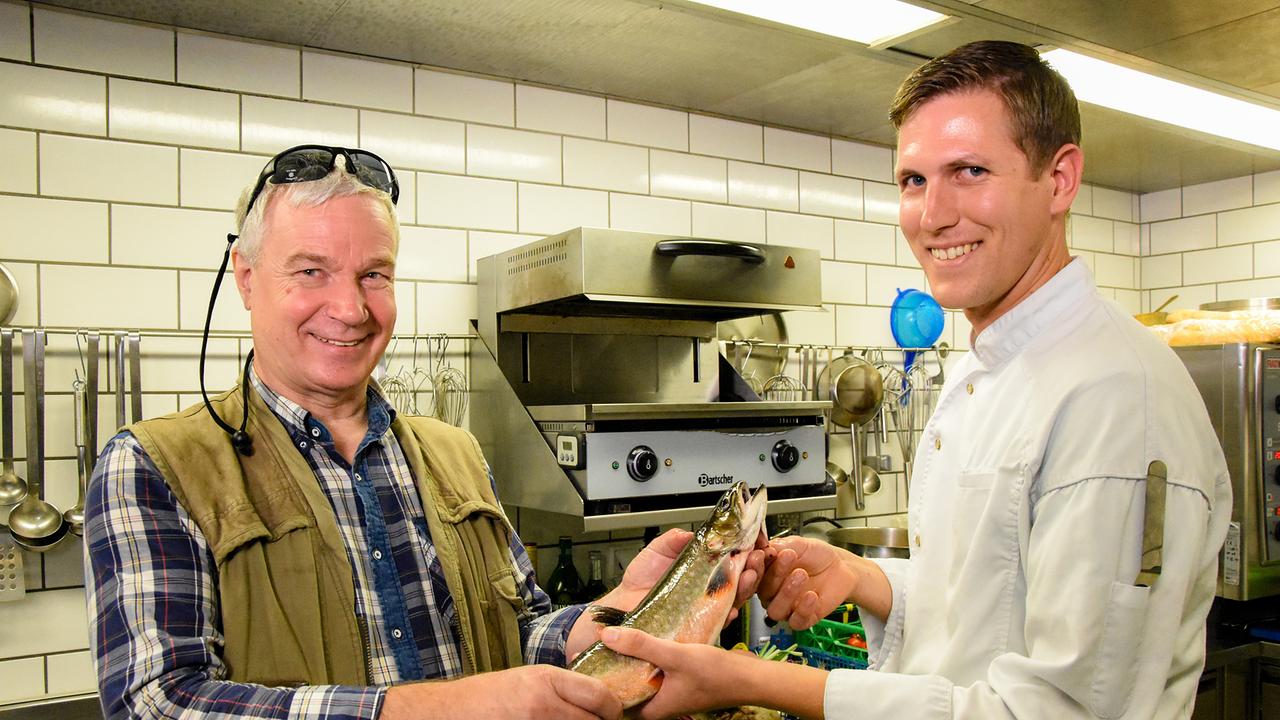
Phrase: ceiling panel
(1245, 53)
(672, 53)
(1127, 25)
(939, 41)
(285, 21)
(1143, 155)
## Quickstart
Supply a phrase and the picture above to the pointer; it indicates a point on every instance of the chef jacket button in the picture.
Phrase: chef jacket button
(937, 443)
(969, 388)
(917, 539)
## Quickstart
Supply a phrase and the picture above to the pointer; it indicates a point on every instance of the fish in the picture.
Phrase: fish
(690, 603)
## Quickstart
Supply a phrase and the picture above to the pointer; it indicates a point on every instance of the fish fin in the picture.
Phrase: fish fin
(719, 580)
(606, 615)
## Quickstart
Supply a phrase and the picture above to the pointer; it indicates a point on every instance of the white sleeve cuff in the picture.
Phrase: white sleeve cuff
(884, 638)
(870, 695)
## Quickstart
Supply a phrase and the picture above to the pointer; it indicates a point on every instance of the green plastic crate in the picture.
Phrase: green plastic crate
(829, 637)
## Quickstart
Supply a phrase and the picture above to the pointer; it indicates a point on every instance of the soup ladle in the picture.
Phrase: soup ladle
(35, 524)
(86, 412)
(13, 489)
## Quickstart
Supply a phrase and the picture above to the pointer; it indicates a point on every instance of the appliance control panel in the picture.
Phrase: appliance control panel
(670, 462)
(1269, 442)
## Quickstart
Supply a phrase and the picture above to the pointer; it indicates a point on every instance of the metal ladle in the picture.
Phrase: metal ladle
(856, 392)
(36, 525)
(13, 489)
(86, 412)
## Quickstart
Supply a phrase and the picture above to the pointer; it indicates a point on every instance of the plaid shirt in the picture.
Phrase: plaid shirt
(153, 597)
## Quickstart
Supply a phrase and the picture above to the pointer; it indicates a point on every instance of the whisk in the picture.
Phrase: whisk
(449, 399)
(401, 388)
(748, 376)
(782, 386)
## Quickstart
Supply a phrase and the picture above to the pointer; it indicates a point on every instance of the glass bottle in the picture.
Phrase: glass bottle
(565, 585)
(595, 587)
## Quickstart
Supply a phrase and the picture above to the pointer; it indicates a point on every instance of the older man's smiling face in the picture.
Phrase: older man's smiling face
(321, 297)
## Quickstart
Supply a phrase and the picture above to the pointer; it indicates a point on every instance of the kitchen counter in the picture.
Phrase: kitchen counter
(1222, 655)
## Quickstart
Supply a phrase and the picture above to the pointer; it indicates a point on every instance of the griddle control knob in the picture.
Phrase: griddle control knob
(642, 463)
(785, 456)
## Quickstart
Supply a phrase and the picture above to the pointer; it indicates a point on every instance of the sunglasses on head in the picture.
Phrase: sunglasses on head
(305, 163)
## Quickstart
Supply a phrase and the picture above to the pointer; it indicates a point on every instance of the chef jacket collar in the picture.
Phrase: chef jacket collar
(1043, 309)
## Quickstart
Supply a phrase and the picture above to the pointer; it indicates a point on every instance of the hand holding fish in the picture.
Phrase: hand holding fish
(689, 598)
(652, 564)
(699, 677)
(647, 570)
(543, 691)
(806, 579)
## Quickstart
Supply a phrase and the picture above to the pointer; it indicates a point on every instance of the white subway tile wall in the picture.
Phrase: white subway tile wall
(415, 142)
(209, 179)
(230, 64)
(449, 95)
(1266, 188)
(15, 31)
(858, 160)
(171, 114)
(726, 222)
(87, 42)
(647, 125)
(557, 111)
(118, 213)
(19, 149)
(798, 150)
(356, 81)
(649, 214)
(605, 165)
(52, 100)
(269, 125)
(693, 177)
(1211, 242)
(726, 138)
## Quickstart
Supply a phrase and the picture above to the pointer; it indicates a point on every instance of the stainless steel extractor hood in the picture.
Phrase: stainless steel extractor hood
(597, 381)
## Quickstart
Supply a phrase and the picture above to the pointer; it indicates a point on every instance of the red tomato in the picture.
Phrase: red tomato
(857, 641)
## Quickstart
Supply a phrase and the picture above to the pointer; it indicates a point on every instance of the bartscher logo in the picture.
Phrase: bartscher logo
(705, 480)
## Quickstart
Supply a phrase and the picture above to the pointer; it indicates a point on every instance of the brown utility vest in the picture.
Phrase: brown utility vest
(285, 588)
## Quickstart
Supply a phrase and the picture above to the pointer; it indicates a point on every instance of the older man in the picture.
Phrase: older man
(329, 551)
(1069, 498)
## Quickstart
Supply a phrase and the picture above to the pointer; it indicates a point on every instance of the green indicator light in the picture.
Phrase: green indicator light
(761, 457)
(615, 464)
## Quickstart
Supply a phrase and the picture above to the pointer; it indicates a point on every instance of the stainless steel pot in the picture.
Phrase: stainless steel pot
(871, 542)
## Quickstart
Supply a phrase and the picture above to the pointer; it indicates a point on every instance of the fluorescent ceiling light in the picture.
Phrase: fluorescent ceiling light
(865, 21)
(1138, 93)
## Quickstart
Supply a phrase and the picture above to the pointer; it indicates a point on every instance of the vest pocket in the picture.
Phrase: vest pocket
(1118, 650)
(503, 582)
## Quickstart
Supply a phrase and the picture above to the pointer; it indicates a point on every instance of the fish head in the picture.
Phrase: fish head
(737, 520)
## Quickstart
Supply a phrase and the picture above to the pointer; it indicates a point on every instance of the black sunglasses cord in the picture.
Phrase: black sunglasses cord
(240, 440)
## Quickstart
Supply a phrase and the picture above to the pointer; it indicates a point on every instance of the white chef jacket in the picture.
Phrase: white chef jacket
(1025, 523)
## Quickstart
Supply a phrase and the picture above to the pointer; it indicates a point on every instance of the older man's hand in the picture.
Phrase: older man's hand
(533, 692)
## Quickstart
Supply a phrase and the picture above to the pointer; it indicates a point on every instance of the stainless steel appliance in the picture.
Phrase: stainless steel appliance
(598, 383)
(1240, 383)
